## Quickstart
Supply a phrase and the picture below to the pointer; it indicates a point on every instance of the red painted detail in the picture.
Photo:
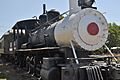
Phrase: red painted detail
(93, 28)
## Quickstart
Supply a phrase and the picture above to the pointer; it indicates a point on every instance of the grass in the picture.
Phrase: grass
(3, 76)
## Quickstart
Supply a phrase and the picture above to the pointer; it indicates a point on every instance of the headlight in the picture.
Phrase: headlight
(87, 3)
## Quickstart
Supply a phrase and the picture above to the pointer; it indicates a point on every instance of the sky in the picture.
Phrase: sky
(12, 11)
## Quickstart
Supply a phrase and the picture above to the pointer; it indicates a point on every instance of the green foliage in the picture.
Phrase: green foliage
(114, 35)
(3, 76)
(113, 38)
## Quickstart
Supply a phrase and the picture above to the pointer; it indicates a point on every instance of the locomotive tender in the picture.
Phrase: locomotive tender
(55, 48)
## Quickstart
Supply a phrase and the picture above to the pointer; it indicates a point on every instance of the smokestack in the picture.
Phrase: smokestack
(44, 9)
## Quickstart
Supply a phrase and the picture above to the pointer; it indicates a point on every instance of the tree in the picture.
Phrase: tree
(113, 38)
(114, 35)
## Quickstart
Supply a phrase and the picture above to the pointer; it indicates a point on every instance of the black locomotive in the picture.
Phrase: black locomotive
(54, 47)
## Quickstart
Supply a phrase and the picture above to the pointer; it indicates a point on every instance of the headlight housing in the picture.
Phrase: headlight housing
(86, 3)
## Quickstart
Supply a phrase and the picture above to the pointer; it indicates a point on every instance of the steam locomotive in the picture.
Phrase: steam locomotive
(54, 47)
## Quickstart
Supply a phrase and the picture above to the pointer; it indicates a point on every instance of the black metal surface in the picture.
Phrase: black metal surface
(43, 37)
(43, 19)
(44, 9)
(49, 70)
(53, 14)
(69, 72)
(50, 74)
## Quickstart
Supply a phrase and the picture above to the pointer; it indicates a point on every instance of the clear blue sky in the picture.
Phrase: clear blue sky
(12, 11)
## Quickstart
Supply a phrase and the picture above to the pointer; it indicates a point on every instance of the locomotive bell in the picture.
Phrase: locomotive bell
(88, 28)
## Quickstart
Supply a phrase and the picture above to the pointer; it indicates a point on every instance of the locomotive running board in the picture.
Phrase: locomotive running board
(38, 49)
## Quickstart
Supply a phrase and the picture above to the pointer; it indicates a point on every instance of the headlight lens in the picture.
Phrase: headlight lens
(88, 2)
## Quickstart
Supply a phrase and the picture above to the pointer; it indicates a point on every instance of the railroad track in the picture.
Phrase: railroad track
(9, 71)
